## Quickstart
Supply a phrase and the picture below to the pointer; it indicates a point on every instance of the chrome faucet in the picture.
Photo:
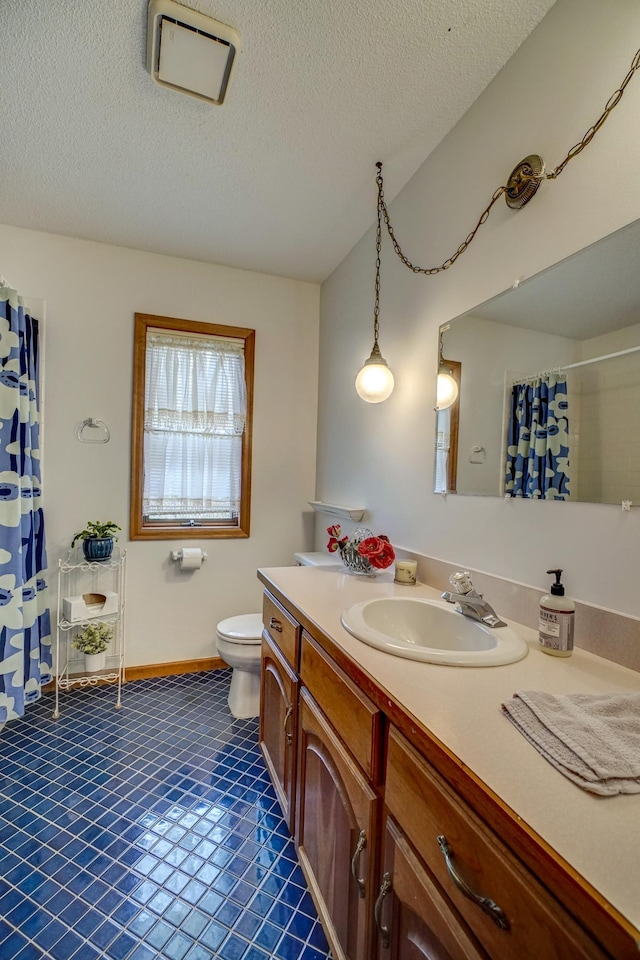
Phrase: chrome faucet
(470, 603)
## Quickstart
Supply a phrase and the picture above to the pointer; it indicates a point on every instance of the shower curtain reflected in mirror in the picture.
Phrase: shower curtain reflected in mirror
(25, 630)
(537, 463)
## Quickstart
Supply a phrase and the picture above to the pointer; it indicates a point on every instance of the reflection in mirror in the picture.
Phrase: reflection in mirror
(549, 407)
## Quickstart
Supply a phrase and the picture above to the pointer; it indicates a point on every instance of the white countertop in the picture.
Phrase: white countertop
(598, 836)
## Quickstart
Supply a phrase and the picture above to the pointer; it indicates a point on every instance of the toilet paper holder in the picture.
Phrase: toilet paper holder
(179, 555)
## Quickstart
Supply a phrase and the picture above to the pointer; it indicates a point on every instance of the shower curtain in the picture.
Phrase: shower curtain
(537, 464)
(25, 629)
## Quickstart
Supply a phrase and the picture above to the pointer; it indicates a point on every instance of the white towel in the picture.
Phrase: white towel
(593, 739)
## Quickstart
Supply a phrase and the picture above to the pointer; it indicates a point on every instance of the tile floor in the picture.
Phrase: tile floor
(147, 832)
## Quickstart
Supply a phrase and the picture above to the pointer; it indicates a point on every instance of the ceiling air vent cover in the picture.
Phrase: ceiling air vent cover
(189, 52)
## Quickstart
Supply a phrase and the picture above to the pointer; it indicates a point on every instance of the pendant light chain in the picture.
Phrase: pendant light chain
(611, 104)
(376, 307)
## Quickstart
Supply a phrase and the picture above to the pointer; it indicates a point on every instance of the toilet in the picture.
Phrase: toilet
(238, 642)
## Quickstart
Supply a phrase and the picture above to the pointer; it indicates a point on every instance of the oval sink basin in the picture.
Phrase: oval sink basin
(431, 630)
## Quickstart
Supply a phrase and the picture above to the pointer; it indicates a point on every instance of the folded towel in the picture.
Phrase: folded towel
(593, 739)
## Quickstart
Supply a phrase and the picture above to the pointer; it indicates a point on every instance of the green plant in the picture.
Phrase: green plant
(96, 530)
(94, 638)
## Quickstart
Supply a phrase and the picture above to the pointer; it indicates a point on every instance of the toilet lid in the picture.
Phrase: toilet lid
(247, 628)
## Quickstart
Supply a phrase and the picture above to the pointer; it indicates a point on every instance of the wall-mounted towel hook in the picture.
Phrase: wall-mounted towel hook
(92, 424)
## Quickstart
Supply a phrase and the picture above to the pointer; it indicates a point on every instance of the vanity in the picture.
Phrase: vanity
(425, 824)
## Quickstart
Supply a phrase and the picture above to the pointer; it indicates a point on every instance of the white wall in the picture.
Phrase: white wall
(543, 101)
(92, 292)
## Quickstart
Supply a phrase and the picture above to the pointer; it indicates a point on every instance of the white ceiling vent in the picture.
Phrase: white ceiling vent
(190, 52)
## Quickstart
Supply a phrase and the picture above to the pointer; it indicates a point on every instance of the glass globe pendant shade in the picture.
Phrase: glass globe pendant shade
(375, 382)
(446, 391)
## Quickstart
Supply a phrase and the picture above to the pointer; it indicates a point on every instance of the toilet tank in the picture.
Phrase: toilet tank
(316, 559)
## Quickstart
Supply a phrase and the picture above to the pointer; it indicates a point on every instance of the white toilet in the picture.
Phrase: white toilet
(238, 642)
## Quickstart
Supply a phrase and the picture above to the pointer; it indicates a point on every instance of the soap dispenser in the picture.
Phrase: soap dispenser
(555, 626)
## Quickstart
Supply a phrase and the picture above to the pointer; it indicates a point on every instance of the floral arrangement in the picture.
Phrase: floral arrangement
(94, 638)
(362, 551)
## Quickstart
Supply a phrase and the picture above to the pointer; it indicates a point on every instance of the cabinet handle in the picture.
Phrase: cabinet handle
(284, 725)
(361, 844)
(489, 906)
(275, 624)
(385, 886)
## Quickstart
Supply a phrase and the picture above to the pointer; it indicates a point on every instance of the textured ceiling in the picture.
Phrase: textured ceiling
(279, 179)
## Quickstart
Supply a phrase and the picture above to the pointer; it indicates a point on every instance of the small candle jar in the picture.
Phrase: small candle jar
(406, 571)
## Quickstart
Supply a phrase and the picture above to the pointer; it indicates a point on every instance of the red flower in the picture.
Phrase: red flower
(383, 560)
(335, 543)
(371, 547)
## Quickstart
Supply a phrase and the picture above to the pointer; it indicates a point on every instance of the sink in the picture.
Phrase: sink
(431, 630)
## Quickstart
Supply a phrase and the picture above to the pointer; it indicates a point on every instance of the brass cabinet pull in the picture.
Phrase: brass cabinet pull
(286, 720)
(361, 844)
(489, 906)
(275, 624)
(385, 886)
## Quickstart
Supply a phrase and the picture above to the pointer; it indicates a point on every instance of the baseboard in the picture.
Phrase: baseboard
(173, 669)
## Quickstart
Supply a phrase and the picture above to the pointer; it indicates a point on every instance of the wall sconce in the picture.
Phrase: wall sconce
(521, 186)
(375, 382)
(446, 385)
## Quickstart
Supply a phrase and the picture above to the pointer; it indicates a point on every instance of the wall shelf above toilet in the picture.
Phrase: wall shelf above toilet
(335, 510)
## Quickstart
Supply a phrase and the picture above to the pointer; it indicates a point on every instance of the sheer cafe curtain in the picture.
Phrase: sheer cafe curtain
(195, 411)
(538, 465)
(443, 446)
(25, 627)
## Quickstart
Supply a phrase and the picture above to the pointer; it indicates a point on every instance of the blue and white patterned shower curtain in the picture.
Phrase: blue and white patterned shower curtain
(538, 439)
(25, 628)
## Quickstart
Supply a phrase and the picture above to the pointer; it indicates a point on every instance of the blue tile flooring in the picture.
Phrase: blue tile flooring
(147, 832)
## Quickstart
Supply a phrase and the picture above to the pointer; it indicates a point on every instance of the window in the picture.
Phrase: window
(446, 462)
(191, 430)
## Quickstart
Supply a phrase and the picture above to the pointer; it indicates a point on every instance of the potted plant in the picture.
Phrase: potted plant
(97, 539)
(93, 642)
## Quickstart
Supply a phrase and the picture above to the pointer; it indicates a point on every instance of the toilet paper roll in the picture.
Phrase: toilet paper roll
(191, 558)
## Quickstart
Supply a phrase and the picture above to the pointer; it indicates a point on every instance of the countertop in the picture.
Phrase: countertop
(598, 836)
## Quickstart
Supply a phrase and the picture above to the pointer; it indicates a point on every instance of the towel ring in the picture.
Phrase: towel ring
(91, 423)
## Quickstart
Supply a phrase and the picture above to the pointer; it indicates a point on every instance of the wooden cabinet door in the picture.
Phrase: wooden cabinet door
(336, 834)
(278, 724)
(414, 919)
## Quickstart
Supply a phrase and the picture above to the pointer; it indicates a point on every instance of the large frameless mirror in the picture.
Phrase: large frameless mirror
(548, 373)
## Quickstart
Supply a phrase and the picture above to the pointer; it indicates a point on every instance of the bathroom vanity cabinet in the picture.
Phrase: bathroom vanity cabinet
(279, 725)
(407, 855)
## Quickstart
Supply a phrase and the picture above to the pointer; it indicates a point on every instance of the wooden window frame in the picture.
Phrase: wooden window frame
(455, 367)
(139, 528)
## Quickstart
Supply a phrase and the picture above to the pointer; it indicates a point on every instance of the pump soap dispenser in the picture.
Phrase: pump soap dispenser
(555, 628)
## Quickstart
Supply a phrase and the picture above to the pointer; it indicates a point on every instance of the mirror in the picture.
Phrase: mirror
(549, 384)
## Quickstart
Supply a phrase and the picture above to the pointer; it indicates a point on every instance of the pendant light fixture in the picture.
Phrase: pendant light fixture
(446, 385)
(374, 382)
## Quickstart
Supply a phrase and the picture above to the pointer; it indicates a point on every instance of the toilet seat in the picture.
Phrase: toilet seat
(244, 629)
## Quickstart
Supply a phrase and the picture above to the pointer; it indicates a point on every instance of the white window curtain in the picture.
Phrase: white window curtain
(195, 412)
(443, 445)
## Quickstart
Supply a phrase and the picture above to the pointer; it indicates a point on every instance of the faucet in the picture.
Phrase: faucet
(470, 603)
